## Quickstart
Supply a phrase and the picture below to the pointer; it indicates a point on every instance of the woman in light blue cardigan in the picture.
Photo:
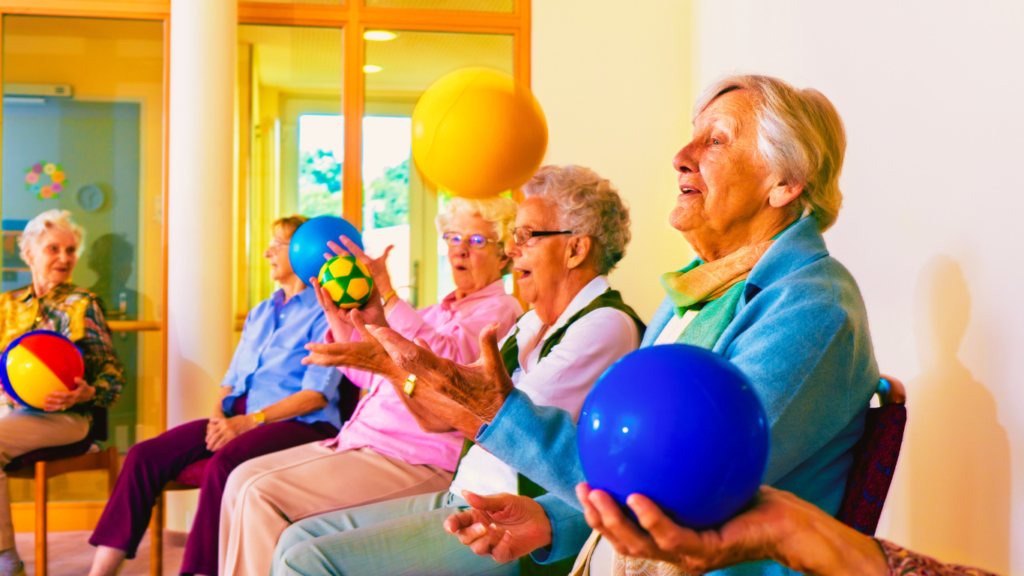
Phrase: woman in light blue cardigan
(758, 185)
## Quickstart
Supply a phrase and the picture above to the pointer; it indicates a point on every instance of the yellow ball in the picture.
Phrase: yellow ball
(477, 132)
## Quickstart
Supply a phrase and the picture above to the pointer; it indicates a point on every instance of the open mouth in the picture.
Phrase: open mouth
(689, 190)
(523, 273)
(460, 267)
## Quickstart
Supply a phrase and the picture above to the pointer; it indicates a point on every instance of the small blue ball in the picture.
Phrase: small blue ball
(679, 425)
(309, 243)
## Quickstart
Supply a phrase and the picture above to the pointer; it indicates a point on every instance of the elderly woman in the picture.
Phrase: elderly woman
(571, 230)
(51, 244)
(390, 448)
(758, 184)
(269, 401)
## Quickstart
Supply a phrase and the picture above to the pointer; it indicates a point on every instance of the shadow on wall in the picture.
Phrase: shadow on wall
(959, 463)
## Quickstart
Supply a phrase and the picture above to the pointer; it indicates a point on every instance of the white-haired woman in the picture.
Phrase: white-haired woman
(51, 244)
(757, 185)
(571, 230)
(389, 447)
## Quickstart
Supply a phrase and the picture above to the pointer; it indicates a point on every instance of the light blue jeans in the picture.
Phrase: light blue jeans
(396, 537)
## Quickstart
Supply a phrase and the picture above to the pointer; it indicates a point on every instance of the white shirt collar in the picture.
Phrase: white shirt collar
(530, 324)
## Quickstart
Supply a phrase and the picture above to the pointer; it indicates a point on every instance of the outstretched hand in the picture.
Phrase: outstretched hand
(504, 526)
(480, 387)
(778, 526)
(366, 354)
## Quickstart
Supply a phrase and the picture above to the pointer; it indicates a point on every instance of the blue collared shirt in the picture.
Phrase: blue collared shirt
(800, 334)
(267, 364)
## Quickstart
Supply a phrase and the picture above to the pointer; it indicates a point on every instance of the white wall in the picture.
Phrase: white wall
(933, 224)
(614, 81)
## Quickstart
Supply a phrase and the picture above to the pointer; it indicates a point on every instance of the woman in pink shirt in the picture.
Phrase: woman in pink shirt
(382, 452)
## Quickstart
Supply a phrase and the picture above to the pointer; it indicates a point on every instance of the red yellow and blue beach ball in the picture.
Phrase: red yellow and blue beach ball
(37, 363)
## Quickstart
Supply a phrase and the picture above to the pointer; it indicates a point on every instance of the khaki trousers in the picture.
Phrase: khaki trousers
(267, 494)
(23, 431)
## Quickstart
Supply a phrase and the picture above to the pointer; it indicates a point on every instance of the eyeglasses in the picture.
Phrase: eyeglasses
(475, 240)
(276, 245)
(522, 235)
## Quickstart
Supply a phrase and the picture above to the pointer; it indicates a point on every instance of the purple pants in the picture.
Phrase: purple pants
(151, 464)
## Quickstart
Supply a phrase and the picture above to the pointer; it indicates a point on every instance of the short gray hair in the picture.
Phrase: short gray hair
(590, 206)
(47, 221)
(800, 136)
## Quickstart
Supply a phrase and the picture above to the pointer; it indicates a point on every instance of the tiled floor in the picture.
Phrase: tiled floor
(71, 555)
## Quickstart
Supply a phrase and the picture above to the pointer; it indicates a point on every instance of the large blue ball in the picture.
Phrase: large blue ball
(679, 425)
(309, 243)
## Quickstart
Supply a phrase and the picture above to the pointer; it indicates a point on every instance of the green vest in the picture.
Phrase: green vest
(510, 357)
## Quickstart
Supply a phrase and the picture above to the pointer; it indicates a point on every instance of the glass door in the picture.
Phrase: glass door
(398, 207)
(83, 132)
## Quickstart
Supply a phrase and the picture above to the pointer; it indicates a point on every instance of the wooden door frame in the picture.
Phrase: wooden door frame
(353, 17)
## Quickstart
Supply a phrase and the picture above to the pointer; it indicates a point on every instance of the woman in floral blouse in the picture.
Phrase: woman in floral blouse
(51, 245)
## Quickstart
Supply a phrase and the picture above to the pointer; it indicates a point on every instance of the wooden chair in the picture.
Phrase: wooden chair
(874, 459)
(41, 465)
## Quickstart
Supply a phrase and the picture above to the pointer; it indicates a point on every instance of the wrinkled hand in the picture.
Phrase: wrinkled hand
(57, 401)
(504, 526)
(367, 354)
(480, 387)
(340, 320)
(378, 266)
(779, 526)
(220, 431)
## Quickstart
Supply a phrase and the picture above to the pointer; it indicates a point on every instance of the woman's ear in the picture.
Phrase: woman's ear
(782, 194)
(578, 248)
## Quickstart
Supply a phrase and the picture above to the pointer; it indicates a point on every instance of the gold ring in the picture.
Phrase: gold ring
(410, 385)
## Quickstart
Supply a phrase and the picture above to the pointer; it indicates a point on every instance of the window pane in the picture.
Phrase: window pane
(83, 132)
(469, 5)
(398, 208)
(290, 142)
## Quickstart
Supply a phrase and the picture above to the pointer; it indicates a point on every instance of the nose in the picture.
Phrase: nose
(512, 250)
(268, 253)
(686, 160)
(461, 249)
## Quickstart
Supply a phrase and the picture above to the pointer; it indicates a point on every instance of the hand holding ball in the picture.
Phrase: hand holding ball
(347, 281)
(679, 425)
(477, 132)
(38, 363)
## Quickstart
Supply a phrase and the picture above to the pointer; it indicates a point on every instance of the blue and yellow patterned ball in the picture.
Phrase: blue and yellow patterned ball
(347, 281)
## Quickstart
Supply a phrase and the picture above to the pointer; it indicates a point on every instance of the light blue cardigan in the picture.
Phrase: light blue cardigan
(800, 334)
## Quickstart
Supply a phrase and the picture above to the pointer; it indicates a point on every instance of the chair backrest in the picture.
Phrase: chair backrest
(348, 397)
(874, 460)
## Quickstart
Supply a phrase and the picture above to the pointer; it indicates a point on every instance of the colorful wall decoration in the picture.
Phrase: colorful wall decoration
(37, 175)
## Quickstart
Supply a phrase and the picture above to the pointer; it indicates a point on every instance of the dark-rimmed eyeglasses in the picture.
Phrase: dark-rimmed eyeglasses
(522, 235)
(476, 241)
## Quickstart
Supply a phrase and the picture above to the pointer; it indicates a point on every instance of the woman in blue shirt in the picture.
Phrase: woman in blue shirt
(758, 184)
(269, 401)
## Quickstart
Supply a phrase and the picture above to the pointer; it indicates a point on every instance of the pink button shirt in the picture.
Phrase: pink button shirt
(452, 328)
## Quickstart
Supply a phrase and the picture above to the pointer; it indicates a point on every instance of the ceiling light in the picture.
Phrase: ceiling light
(371, 68)
(379, 35)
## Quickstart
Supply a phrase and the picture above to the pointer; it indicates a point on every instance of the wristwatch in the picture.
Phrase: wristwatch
(259, 417)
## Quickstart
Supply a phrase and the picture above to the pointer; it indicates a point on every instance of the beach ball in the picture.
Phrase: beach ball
(347, 281)
(308, 245)
(679, 425)
(37, 363)
(476, 132)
